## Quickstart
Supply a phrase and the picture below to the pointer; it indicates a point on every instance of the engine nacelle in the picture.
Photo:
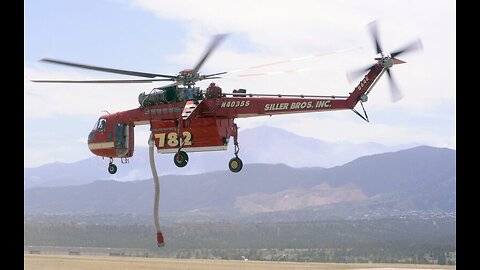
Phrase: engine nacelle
(169, 95)
(155, 98)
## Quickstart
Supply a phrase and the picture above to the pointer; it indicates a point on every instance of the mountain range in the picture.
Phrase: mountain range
(414, 180)
(266, 145)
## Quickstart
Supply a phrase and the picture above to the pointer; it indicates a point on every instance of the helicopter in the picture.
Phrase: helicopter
(184, 118)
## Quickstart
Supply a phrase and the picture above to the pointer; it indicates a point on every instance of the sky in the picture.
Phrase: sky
(169, 36)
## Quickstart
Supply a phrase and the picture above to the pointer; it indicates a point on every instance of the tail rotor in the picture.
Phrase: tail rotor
(386, 60)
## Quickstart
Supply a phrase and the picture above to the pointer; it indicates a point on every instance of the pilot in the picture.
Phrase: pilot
(101, 126)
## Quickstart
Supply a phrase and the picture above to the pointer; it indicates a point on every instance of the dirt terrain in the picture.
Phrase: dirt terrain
(51, 262)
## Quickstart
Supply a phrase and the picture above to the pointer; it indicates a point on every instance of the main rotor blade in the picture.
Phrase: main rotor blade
(101, 81)
(291, 60)
(413, 46)
(168, 85)
(353, 75)
(374, 33)
(273, 72)
(111, 70)
(215, 74)
(394, 90)
(215, 42)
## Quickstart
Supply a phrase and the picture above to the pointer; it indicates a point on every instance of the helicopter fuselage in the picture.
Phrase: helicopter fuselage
(207, 123)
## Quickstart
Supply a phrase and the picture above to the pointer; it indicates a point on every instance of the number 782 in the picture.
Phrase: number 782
(171, 139)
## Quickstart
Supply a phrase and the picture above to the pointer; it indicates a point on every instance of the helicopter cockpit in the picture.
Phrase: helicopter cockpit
(110, 138)
(98, 130)
(100, 125)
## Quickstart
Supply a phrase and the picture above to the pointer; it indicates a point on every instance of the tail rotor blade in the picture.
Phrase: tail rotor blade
(373, 27)
(353, 75)
(394, 90)
(413, 46)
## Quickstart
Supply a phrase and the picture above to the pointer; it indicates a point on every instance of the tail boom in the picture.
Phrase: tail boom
(365, 85)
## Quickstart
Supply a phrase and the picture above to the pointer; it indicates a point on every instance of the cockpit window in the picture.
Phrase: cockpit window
(100, 126)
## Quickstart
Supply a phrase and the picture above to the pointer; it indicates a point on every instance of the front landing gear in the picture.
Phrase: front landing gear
(235, 164)
(180, 159)
(112, 168)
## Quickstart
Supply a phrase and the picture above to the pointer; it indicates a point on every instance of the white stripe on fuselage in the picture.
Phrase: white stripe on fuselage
(193, 149)
(138, 123)
(101, 145)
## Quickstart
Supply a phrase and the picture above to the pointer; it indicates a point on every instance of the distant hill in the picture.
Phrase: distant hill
(258, 145)
(417, 179)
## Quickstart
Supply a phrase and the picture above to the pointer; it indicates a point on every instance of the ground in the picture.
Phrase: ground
(50, 262)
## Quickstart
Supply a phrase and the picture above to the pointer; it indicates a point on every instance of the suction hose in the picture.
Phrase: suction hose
(160, 240)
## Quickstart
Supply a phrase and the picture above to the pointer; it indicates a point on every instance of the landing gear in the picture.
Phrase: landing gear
(235, 164)
(112, 168)
(180, 159)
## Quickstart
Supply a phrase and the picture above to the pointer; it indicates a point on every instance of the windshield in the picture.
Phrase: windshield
(100, 125)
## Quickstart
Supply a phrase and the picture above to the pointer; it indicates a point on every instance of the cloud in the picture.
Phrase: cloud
(263, 21)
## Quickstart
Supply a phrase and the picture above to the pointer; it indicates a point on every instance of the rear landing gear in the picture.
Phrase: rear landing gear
(112, 168)
(235, 164)
(180, 159)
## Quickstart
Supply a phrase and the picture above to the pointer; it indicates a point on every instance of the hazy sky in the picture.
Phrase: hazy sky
(168, 36)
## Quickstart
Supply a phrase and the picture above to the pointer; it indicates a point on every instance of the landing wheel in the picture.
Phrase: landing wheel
(112, 168)
(235, 164)
(180, 159)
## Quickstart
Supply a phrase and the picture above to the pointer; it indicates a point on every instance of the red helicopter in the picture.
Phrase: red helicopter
(184, 118)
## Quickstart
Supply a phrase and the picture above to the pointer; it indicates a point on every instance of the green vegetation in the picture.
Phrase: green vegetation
(394, 240)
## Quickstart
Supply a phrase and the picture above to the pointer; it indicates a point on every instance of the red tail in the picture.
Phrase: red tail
(365, 85)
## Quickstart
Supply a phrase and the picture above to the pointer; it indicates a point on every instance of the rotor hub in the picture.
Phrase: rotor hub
(188, 77)
(386, 62)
